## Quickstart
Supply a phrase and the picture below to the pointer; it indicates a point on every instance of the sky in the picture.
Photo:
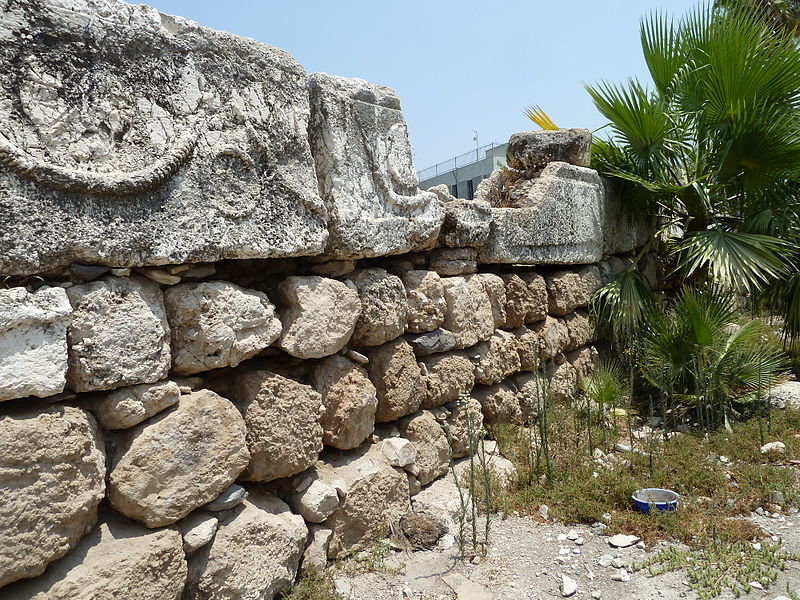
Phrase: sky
(457, 66)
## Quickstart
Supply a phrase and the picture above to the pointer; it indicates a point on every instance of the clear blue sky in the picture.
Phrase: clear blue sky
(457, 66)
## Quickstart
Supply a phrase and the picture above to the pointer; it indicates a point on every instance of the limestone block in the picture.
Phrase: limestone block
(383, 307)
(529, 348)
(33, 342)
(231, 496)
(375, 494)
(319, 317)
(503, 471)
(441, 500)
(118, 336)
(531, 151)
(217, 324)
(282, 418)
(469, 314)
(563, 382)
(496, 358)
(197, 530)
(316, 502)
(585, 361)
(553, 337)
(526, 298)
(532, 393)
(496, 289)
(448, 375)
(559, 220)
(426, 304)
(428, 437)
(466, 222)
(179, 460)
(186, 143)
(254, 555)
(126, 407)
(398, 381)
(52, 477)
(316, 552)
(579, 329)
(499, 404)
(454, 261)
(465, 419)
(399, 451)
(366, 178)
(118, 559)
(624, 231)
(568, 290)
(349, 399)
(785, 395)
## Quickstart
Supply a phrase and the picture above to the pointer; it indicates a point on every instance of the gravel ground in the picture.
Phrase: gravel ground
(527, 559)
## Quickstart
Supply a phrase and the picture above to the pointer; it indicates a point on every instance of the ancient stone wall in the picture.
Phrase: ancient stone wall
(233, 331)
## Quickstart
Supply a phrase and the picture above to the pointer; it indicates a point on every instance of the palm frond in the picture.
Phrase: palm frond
(541, 118)
(621, 305)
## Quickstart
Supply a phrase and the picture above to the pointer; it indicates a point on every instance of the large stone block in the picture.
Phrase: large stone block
(349, 399)
(52, 477)
(430, 440)
(129, 406)
(426, 304)
(447, 375)
(254, 555)
(526, 298)
(217, 324)
(559, 220)
(33, 342)
(383, 307)
(531, 151)
(132, 138)
(165, 468)
(499, 404)
(623, 230)
(398, 380)
(119, 334)
(568, 290)
(469, 316)
(496, 358)
(282, 418)
(366, 176)
(119, 559)
(319, 315)
(466, 222)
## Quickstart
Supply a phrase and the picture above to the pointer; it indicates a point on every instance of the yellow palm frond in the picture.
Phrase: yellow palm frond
(541, 118)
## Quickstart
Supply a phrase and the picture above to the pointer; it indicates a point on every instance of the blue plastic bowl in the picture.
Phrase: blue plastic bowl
(661, 499)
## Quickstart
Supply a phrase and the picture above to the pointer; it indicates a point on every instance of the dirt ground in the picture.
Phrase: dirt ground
(526, 561)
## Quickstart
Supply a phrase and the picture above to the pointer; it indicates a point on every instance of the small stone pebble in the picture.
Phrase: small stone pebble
(621, 575)
(568, 586)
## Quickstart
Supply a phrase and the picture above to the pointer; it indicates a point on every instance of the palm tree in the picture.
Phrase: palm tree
(714, 150)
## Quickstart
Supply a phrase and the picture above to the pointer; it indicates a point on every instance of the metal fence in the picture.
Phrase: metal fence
(461, 160)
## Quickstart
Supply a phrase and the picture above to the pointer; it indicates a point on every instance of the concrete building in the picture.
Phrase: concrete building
(463, 173)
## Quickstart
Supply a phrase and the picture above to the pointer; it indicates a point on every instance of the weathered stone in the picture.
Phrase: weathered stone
(197, 530)
(584, 360)
(82, 273)
(118, 336)
(563, 384)
(568, 290)
(454, 261)
(499, 404)
(126, 407)
(349, 399)
(532, 393)
(559, 221)
(469, 310)
(579, 330)
(496, 289)
(118, 559)
(528, 348)
(466, 222)
(255, 553)
(531, 151)
(316, 502)
(432, 342)
(159, 276)
(187, 143)
(448, 375)
(441, 499)
(526, 298)
(502, 470)
(179, 460)
(217, 324)
(433, 451)
(399, 451)
(52, 477)
(375, 494)
(366, 177)
(282, 418)
(33, 342)
(465, 419)
(398, 381)
(785, 395)
(609, 268)
(334, 268)
(383, 307)
(234, 495)
(320, 315)
(624, 231)
(496, 358)
(426, 304)
(553, 337)
(316, 552)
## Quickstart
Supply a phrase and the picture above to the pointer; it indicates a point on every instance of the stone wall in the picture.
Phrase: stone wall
(233, 331)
